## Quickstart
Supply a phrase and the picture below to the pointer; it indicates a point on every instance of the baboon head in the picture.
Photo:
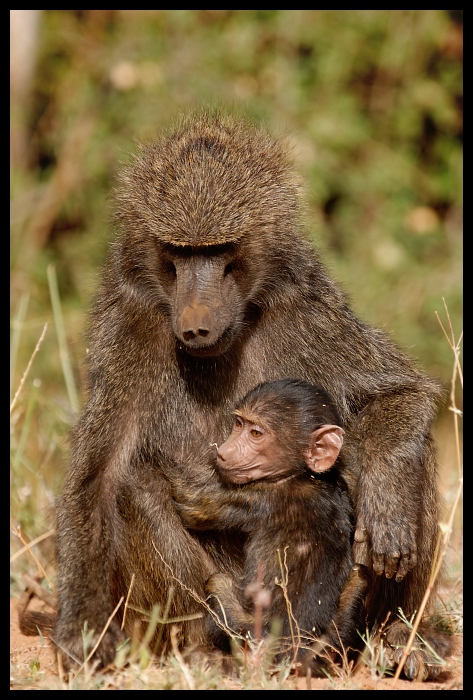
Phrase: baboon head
(207, 214)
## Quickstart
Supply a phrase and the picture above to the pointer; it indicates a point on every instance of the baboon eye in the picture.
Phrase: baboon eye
(238, 424)
(229, 269)
(169, 267)
(256, 432)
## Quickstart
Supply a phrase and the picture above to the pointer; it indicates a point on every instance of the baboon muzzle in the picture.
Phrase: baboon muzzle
(196, 322)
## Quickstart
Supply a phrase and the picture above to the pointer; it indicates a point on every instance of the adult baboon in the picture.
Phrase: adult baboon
(211, 288)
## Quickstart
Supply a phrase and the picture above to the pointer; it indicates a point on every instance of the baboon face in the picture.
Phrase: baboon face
(206, 216)
(206, 303)
(280, 429)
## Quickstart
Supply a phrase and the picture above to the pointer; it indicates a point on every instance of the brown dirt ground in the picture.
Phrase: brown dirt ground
(33, 664)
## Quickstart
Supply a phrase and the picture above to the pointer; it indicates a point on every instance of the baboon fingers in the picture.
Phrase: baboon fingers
(404, 566)
(391, 564)
(378, 563)
(395, 564)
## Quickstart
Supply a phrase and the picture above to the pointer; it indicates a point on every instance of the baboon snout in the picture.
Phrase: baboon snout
(196, 321)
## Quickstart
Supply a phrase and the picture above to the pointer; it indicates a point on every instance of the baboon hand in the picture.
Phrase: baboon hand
(391, 552)
(191, 516)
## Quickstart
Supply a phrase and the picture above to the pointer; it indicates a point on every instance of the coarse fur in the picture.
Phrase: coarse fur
(210, 288)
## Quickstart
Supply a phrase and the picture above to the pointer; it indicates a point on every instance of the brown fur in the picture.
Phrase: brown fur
(210, 288)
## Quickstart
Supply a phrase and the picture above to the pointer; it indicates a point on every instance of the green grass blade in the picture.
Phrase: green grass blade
(61, 336)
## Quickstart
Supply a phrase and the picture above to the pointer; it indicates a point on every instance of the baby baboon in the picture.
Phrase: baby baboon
(210, 288)
(283, 491)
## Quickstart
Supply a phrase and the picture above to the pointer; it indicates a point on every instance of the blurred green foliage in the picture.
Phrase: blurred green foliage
(372, 100)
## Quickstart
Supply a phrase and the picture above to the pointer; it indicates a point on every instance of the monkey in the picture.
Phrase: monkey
(285, 490)
(213, 285)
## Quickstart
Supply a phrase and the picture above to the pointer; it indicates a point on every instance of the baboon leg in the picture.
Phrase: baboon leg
(167, 565)
(350, 606)
(229, 616)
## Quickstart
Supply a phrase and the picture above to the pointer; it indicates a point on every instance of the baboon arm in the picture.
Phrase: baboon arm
(396, 470)
(84, 597)
(221, 510)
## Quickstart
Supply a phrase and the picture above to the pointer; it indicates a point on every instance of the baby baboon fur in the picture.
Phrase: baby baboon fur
(210, 288)
(285, 490)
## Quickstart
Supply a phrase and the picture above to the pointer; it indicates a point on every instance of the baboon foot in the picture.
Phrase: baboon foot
(426, 658)
(73, 648)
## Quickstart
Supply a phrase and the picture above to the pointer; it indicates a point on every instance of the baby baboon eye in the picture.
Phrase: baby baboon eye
(256, 432)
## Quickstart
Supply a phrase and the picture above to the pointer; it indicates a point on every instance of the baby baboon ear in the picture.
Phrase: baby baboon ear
(324, 447)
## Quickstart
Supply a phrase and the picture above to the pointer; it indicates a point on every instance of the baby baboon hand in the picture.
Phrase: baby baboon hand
(218, 584)
(391, 551)
(191, 516)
